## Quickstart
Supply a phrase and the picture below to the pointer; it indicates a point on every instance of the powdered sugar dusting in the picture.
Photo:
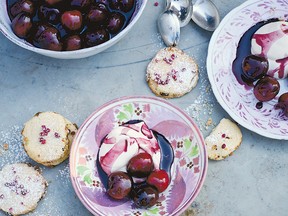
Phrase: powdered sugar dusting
(15, 152)
(202, 108)
(174, 71)
(58, 177)
(63, 175)
(21, 188)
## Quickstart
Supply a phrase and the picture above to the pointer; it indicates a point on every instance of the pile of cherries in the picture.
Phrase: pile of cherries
(266, 88)
(69, 24)
(144, 193)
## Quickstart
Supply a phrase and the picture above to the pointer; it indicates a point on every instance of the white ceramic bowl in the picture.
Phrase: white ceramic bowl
(5, 28)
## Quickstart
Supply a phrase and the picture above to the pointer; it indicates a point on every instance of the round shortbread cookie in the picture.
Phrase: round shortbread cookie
(47, 138)
(172, 73)
(21, 188)
(223, 140)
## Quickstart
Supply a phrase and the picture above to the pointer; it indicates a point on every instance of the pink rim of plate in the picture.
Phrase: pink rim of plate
(102, 109)
(238, 102)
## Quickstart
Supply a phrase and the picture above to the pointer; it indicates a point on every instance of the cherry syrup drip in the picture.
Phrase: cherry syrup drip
(259, 105)
(243, 50)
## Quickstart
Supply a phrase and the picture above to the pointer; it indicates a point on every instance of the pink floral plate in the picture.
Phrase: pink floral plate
(188, 169)
(233, 97)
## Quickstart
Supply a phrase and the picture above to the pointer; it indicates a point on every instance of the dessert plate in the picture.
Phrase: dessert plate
(237, 100)
(187, 173)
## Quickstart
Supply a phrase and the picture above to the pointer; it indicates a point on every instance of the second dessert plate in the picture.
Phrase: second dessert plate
(188, 169)
(235, 98)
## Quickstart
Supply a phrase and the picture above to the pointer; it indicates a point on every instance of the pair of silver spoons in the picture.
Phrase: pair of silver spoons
(178, 13)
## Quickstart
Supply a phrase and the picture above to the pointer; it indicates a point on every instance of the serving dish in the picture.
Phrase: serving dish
(5, 28)
(187, 173)
(235, 98)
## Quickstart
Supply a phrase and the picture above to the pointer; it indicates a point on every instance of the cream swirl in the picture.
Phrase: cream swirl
(124, 142)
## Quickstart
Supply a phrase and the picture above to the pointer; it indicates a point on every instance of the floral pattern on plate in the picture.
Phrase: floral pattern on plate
(187, 173)
(238, 101)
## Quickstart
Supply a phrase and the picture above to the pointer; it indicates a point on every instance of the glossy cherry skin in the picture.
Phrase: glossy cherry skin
(21, 25)
(140, 165)
(106, 2)
(119, 185)
(95, 37)
(82, 5)
(47, 38)
(54, 2)
(38, 29)
(115, 23)
(122, 5)
(72, 20)
(144, 196)
(266, 88)
(72, 42)
(51, 15)
(283, 103)
(254, 67)
(18, 7)
(97, 15)
(159, 179)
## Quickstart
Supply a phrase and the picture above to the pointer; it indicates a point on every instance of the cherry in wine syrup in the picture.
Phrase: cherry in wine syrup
(244, 50)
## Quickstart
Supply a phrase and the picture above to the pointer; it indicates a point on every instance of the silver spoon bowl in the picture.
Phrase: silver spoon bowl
(182, 8)
(178, 13)
(206, 15)
(169, 28)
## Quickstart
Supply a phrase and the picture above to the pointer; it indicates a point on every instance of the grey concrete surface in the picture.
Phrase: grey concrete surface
(251, 182)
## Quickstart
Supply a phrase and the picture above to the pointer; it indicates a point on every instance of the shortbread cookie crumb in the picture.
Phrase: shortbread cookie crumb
(223, 140)
(5, 146)
(172, 73)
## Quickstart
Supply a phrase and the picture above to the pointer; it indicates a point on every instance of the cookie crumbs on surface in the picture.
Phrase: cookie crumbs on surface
(209, 122)
(5, 146)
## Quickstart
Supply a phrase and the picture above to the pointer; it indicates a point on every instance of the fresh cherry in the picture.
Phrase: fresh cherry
(159, 179)
(21, 25)
(51, 15)
(97, 15)
(72, 20)
(266, 88)
(47, 38)
(123, 5)
(140, 165)
(119, 185)
(115, 23)
(283, 103)
(38, 29)
(254, 67)
(72, 42)
(144, 196)
(95, 37)
(20, 6)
